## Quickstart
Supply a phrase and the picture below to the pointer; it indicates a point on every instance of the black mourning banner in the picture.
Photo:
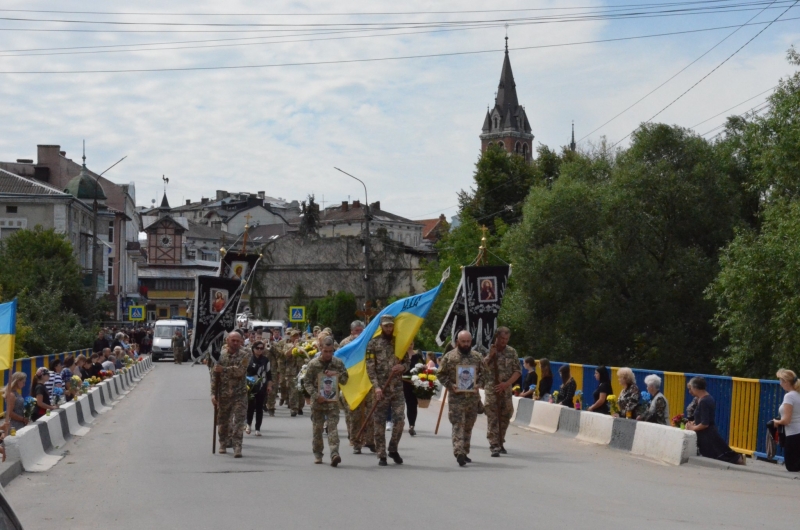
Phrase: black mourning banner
(216, 301)
(456, 318)
(237, 266)
(483, 289)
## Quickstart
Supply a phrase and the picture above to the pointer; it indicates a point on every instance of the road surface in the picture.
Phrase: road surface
(148, 464)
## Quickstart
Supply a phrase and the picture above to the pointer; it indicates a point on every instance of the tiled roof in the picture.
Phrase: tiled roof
(15, 184)
(201, 231)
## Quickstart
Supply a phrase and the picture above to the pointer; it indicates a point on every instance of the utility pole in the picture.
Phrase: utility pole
(367, 279)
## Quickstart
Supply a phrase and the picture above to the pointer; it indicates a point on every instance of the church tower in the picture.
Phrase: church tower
(507, 124)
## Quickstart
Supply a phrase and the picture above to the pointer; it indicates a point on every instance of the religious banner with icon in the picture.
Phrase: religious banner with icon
(483, 289)
(456, 318)
(216, 304)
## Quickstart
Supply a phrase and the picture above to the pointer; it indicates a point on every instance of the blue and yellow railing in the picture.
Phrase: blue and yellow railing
(29, 365)
(744, 406)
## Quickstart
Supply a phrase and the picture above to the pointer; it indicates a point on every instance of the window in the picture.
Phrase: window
(11, 209)
(110, 273)
(111, 231)
(162, 312)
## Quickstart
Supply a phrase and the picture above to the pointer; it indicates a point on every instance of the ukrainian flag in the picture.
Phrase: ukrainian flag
(8, 330)
(408, 313)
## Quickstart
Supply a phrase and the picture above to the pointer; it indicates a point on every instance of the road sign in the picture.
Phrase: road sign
(136, 313)
(297, 313)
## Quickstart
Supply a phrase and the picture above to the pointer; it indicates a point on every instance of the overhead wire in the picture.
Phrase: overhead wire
(729, 57)
(676, 74)
(733, 107)
(348, 61)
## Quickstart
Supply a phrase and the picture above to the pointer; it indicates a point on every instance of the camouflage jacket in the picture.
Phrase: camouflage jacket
(292, 363)
(380, 360)
(507, 365)
(347, 340)
(447, 375)
(234, 370)
(317, 367)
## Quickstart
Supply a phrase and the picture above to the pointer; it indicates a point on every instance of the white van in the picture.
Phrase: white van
(162, 337)
(267, 325)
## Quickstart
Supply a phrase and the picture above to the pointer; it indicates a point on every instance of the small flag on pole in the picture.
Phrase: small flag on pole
(8, 330)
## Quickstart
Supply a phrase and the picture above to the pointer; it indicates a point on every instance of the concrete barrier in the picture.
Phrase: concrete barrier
(84, 412)
(111, 390)
(595, 428)
(523, 408)
(52, 424)
(569, 421)
(28, 445)
(664, 443)
(545, 417)
(96, 397)
(622, 434)
(75, 427)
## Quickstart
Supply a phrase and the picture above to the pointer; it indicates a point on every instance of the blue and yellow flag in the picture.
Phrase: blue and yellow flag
(408, 313)
(8, 330)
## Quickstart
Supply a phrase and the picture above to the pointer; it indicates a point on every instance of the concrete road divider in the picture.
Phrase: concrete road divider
(96, 397)
(84, 411)
(667, 444)
(27, 446)
(52, 424)
(595, 428)
(545, 417)
(622, 434)
(523, 411)
(71, 412)
(569, 421)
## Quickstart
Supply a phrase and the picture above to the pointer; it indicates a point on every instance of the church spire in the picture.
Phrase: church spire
(507, 89)
(572, 143)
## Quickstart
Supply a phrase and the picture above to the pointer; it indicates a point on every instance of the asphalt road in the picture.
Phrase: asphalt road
(148, 464)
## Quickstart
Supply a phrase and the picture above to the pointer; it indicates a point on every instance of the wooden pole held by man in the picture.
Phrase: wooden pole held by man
(374, 406)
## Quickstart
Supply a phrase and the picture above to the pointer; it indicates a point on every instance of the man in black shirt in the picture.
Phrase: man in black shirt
(101, 342)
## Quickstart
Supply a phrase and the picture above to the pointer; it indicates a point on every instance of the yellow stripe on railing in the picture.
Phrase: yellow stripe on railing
(675, 392)
(615, 386)
(744, 415)
(576, 371)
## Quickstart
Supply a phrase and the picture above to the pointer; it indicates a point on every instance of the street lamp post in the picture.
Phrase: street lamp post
(367, 290)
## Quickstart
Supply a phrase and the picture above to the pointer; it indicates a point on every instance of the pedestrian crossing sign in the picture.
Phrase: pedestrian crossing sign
(136, 313)
(297, 313)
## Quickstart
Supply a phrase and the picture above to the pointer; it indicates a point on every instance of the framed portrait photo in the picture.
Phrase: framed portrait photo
(328, 387)
(487, 289)
(465, 379)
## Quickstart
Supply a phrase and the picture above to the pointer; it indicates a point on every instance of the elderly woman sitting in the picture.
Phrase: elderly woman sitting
(658, 411)
(628, 400)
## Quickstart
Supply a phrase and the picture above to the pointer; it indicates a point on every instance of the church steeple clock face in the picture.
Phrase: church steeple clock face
(165, 241)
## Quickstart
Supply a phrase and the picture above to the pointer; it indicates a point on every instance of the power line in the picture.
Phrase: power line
(731, 108)
(754, 110)
(712, 71)
(676, 74)
(350, 61)
(103, 49)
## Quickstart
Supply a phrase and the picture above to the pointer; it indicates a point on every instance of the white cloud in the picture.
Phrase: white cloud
(408, 128)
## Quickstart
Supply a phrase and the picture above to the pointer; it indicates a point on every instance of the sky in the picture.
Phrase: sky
(407, 127)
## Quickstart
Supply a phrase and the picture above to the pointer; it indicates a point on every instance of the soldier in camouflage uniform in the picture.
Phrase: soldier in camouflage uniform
(281, 347)
(499, 406)
(462, 407)
(229, 374)
(275, 355)
(356, 327)
(381, 362)
(291, 367)
(324, 413)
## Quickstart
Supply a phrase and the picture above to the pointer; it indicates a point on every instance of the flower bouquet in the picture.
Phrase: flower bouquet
(105, 374)
(93, 381)
(58, 396)
(300, 386)
(554, 397)
(516, 390)
(679, 421)
(85, 387)
(578, 399)
(424, 384)
(29, 407)
(253, 385)
(75, 384)
(613, 404)
(644, 402)
(535, 393)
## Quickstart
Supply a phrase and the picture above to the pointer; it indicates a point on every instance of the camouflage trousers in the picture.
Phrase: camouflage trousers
(322, 416)
(347, 417)
(271, 396)
(496, 430)
(357, 418)
(177, 355)
(395, 401)
(284, 389)
(295, 396)
(462, 413)
(231, 420)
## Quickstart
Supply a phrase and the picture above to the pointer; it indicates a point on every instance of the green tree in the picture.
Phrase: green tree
(309, 222)
(336, 311)
(611, 260)
(756, 290)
